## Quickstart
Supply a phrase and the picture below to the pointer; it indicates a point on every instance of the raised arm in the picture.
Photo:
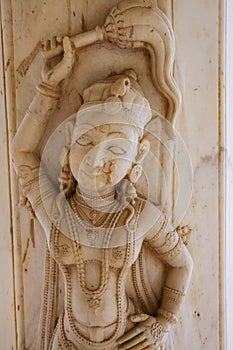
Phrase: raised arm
(25, 145)
(35, 185)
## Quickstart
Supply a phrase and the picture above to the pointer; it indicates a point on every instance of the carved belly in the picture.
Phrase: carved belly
(92, 274)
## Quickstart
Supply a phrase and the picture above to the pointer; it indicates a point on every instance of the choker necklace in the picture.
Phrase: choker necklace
(98, 197)
(94, 207)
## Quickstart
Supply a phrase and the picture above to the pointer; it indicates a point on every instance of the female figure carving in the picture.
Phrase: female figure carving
(97, 227)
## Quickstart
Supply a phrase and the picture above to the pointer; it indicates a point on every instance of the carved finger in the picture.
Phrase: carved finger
(47, 45)
(68, 51)
(53, 43)
(131, 334)
(131, 344)
(138, 318)
(59, 39)
(51, 48)
(43, 45)
(68, 59)
(141, 346)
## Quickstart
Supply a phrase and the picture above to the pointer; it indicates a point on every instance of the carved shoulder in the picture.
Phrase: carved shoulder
(151, 220)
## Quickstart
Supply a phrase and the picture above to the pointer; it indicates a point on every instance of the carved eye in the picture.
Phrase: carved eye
(118, 151)
(84, 141)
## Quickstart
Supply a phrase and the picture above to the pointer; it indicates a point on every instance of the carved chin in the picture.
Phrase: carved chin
(93, 182)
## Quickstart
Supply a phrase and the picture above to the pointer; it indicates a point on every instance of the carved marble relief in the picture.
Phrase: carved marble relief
(100, 186)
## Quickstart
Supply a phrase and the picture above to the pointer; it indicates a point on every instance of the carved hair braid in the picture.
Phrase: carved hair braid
(66, 179)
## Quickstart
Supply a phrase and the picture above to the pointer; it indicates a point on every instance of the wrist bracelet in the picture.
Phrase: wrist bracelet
(167, 315)
(49, 90)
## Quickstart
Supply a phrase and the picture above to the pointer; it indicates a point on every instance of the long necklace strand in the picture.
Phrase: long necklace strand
(108, 343)
(96, 294)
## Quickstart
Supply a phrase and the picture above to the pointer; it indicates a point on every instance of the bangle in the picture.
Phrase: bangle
(173, 295)
(174, 252)
(49, 90)
(167, 315)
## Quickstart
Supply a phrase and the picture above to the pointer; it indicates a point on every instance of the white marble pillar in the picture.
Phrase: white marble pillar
(229, 173)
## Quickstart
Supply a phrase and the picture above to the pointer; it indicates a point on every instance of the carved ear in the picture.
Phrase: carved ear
(144, 147)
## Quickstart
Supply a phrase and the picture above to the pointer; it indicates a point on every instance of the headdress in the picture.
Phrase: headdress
(118, 99)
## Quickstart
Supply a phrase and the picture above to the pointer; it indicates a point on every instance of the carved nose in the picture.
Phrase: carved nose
(94, 158)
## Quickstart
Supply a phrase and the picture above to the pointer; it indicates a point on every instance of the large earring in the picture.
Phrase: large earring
(135, 173)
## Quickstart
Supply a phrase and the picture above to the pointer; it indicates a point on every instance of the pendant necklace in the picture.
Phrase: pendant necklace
(93, 296)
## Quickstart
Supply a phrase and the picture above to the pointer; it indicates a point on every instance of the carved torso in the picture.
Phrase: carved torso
(89, 269)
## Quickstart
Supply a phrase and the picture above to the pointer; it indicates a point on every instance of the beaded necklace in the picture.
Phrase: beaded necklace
(94, 204)
(95, 296)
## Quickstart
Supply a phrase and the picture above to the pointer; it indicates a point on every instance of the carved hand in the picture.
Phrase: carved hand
(150, 333)
(57, 67)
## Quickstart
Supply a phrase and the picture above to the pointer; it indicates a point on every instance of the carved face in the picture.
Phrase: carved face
(102, 156)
